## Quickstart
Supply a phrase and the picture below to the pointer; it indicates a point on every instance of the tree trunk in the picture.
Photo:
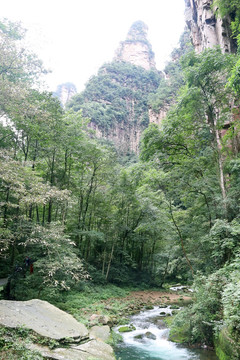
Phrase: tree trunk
(181, 238)
(50, 211)
(6, 208)
(110, 261)
(43, 215)
(35, 155)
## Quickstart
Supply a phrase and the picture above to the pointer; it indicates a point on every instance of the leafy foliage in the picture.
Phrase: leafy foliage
(170, 84)
(200, 162)
(117, 94)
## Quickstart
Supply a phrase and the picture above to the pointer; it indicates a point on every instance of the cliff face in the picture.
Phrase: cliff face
(157, 117)
(136, 49)
(125, 136)
(65, 92)
(208, 30)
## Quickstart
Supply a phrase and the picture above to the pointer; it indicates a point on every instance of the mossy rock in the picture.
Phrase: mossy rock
(176, 307)
(162, 305)
(150, 335)
(129, 328)
(149, 307)
(147, 335)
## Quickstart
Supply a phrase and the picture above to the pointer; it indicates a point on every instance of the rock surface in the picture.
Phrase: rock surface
(100, 332)
(207, 29)
(99, 319)
(43, 318)
(49, 321)
(157, 117)
(65, 92)
(92, 350)
(136, 49)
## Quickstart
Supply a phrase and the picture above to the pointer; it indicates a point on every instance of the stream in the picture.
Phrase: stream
(150, 341)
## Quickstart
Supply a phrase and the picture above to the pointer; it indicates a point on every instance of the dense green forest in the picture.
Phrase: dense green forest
(81, 214)
(105, 95)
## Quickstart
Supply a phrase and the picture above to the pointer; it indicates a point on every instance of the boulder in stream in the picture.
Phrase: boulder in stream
(150, 335)
(144, 336)
(159, 322)
(126, 328)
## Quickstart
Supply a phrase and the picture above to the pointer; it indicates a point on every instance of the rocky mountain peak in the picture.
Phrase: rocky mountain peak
(138, 31)
(136, 49)
(65, 92)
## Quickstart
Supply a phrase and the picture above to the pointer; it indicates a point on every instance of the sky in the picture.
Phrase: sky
(74, 38)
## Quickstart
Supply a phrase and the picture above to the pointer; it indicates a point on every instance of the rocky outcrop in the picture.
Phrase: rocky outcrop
(136, 49)
(42, 317)
(51, 322)
(92, 350)
(157, 117)
(116, 99)
(65, 92)
(208, 29)
(124, 136)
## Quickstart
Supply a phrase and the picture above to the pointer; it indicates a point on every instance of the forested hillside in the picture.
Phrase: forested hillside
(72, 210)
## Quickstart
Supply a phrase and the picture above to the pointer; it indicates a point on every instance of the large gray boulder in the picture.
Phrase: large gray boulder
(42, 317)
(49, 321)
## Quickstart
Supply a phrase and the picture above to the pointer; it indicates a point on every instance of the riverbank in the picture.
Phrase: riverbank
(111, 305)
(95, 306)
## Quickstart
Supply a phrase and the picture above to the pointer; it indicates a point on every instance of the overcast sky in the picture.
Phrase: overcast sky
(75, 37)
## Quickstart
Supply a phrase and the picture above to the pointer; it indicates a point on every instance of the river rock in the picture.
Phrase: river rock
(147, 335)
(93, 349)
(126, 328)
(163, 313)
(100, 332)
(97, 350)
(150, 335)
(175, 307)
(99, 319)
(159, 323)
(139, 337)
(42, 317)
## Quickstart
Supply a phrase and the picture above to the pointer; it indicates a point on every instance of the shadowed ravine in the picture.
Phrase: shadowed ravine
(150, 340)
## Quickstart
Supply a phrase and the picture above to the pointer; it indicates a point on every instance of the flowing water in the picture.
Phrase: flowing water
(150, 340)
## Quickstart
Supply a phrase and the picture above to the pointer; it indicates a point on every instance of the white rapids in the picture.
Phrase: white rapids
(150, 339)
